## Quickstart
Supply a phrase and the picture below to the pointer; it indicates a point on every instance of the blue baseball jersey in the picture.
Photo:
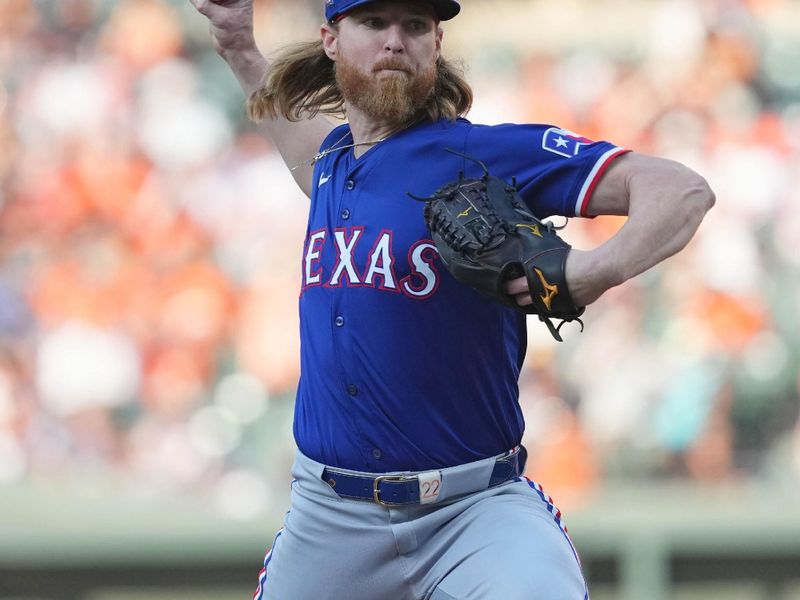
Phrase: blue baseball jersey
(403, 367)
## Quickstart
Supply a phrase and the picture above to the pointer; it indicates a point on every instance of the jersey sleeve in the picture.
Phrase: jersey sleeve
(556, 170)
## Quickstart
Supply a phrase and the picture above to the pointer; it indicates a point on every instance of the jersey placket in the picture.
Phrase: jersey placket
(343, 315)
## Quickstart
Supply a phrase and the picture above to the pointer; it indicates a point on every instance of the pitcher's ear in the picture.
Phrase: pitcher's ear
(330, 39)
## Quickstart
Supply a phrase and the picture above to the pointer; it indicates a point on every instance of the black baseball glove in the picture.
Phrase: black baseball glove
(486, 235)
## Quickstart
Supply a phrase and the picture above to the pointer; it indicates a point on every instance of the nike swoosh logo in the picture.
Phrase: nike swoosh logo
(323, 180)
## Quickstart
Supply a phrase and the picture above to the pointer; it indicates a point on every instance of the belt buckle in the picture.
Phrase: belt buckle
(376, 491)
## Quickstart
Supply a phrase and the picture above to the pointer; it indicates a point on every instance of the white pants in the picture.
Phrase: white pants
(504, 543)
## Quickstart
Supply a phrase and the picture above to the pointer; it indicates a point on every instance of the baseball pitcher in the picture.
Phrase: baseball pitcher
(425, 251)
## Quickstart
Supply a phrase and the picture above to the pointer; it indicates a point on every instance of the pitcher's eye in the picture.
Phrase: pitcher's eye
(418, 26)
(373, 22)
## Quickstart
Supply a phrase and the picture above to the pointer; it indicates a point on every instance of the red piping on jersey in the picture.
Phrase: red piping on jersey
(596, 180)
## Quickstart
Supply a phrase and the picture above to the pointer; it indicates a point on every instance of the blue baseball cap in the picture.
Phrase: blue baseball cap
(334, 9)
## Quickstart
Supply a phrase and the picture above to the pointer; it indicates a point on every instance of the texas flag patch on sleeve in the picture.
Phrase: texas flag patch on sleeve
(563, 142)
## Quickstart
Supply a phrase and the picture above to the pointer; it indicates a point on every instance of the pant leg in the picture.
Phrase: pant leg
(331, 548)
(505, 543)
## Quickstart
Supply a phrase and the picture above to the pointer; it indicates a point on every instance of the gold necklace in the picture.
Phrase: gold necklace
(323, 153)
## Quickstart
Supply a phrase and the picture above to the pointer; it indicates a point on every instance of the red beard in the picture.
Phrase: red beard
(394, 98)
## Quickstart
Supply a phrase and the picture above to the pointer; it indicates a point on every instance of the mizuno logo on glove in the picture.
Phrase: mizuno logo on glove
(551, 290)
(534, 228)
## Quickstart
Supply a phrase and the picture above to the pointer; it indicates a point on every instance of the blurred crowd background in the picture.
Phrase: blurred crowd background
(150, 242)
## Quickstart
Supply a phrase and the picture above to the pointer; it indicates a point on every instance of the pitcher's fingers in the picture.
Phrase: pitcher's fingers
(516, 286)
(200, 5)
(524, 299)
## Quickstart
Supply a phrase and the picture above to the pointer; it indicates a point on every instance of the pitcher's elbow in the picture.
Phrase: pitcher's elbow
(708, 197)
(698, 196)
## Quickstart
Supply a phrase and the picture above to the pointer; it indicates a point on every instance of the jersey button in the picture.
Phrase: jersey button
(339, 321)
(350, 184)
(377, 454)
(352, 390)
(345, 214)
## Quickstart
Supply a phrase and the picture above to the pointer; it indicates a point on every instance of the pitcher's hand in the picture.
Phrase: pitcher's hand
(230, 23)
